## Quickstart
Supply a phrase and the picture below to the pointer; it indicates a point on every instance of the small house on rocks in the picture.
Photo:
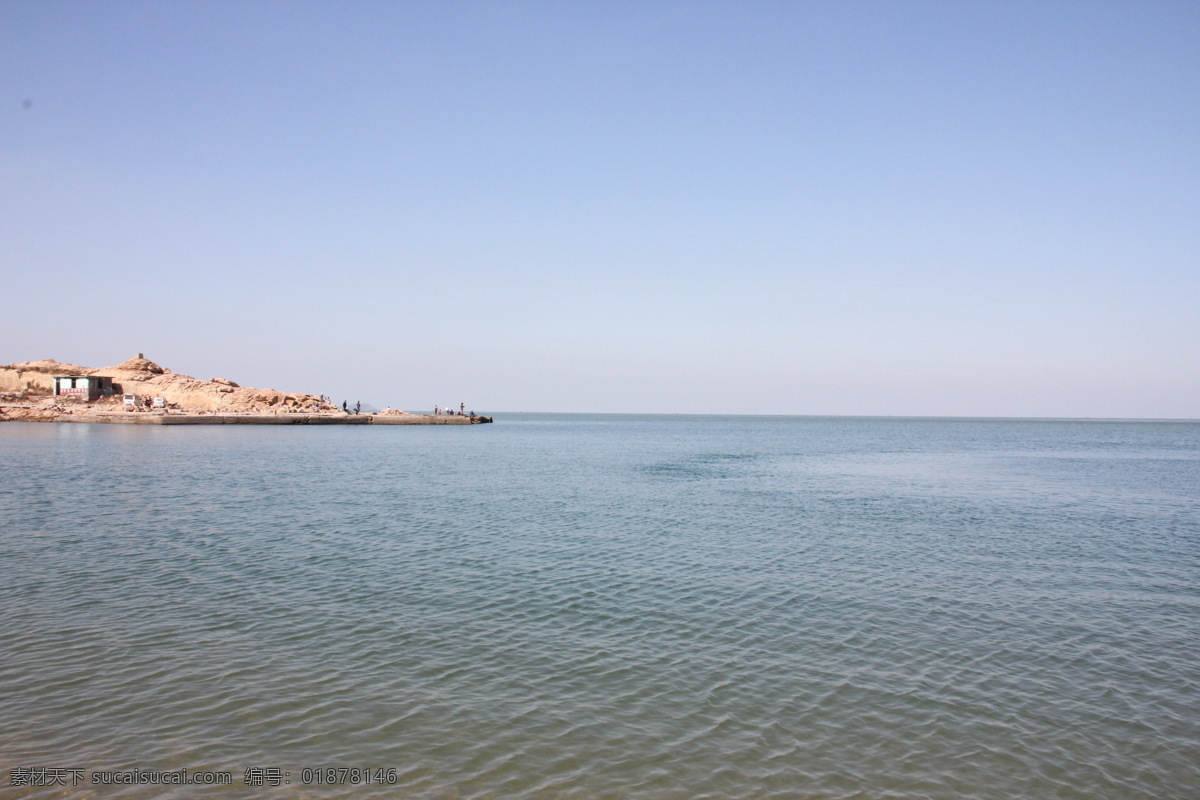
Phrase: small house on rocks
(83, 387)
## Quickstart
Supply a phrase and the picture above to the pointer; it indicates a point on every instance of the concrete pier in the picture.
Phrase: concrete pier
(185, 418)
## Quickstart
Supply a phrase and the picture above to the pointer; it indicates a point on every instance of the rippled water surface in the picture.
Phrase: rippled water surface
(607, 607)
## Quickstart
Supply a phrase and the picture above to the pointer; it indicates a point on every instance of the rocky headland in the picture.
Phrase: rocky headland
(27, 394)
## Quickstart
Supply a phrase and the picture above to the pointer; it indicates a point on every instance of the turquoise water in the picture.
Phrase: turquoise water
(572, 606)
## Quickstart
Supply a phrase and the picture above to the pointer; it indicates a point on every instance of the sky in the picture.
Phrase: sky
(846, 208)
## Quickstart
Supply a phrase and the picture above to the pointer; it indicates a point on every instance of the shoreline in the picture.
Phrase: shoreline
(35, 414)
(140, 392)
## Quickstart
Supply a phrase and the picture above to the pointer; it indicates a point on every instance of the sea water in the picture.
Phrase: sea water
(573, 606)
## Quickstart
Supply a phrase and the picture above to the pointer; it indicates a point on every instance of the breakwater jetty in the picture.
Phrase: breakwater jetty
(22, 413)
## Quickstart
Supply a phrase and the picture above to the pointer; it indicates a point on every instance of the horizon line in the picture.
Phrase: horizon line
(855, 416)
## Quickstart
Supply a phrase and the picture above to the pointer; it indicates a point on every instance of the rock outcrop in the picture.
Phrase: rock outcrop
(34, 380)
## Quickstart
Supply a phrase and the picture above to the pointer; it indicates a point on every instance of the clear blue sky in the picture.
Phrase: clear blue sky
(944, 208)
